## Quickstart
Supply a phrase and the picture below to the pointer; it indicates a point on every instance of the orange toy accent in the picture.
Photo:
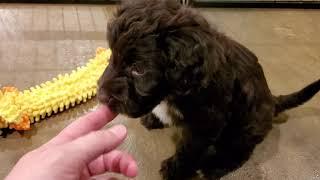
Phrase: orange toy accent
(23, 125)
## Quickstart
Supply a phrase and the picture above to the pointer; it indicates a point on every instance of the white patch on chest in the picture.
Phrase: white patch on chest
(161, 111)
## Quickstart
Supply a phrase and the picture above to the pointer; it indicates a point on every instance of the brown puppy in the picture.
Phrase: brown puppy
(169, 66)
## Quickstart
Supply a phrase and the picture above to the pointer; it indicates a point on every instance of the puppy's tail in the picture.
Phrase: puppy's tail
(284, 102)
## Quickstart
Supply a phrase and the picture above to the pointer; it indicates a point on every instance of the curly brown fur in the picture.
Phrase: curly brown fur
(211, 86)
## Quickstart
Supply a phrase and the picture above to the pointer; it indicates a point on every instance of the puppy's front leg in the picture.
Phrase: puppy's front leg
(150, 121)
(184, 164)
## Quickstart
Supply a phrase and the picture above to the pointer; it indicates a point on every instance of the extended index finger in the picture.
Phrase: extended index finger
(92, 121)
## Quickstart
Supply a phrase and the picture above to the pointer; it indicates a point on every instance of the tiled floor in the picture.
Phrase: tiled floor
(40, 41)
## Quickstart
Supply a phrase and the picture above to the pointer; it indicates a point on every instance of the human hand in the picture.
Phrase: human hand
(79, 152)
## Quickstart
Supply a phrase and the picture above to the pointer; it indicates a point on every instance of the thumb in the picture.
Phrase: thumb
(89, 147)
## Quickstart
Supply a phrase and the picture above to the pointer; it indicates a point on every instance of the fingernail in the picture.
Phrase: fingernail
(102, 107)
(106, 109)
(119, 130)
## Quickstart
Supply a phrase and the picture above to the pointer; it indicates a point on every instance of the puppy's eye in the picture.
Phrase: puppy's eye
(137, 71)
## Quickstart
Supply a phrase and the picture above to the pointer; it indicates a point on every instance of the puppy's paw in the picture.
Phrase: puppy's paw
(174, 169)
(170, 170)
(167, 169)
(150, 121)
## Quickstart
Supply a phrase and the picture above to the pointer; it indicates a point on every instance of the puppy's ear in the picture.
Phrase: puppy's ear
(185, 67)
(193, 55)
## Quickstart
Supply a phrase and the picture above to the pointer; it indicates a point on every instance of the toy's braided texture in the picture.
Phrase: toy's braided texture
(19, 109)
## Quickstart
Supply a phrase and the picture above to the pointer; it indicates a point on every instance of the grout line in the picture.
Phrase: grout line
(63, 21)
(93, 21)
(77, 12)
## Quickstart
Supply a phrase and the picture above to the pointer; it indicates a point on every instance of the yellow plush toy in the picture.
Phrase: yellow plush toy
(20, 109)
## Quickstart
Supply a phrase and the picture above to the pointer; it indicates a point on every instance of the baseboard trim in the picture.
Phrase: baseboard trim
(260, 4)
(201, 3)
